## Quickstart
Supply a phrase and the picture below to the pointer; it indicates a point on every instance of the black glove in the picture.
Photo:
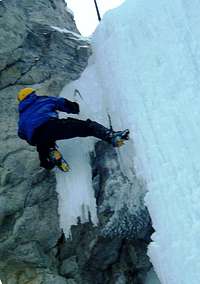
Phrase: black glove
(72, 106)
(75, 108)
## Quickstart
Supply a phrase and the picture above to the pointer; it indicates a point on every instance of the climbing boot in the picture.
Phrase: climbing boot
(117, 138)
(56, 157)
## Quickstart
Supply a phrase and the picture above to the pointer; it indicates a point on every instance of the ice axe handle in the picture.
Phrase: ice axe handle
(77, 93)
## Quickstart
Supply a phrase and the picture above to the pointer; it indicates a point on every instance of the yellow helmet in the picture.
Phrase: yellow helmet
(23, 93)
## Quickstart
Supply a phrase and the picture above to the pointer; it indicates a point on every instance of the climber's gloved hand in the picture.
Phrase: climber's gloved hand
(73, 107)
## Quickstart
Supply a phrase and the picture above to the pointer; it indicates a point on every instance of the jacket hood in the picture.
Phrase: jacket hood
(29, 100)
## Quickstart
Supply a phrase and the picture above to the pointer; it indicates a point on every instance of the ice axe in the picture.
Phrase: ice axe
(77, 93)
(97, 10)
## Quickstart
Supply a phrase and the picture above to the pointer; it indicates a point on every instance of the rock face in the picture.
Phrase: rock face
(115, 251)
(89, 258)
(40, 47)
(119, 216)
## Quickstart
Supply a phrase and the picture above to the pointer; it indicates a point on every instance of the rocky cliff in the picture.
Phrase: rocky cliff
(41, 47)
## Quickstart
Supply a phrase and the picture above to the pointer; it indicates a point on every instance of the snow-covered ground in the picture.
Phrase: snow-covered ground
(145, 72)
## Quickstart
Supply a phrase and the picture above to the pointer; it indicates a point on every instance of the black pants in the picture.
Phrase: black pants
(59, 129)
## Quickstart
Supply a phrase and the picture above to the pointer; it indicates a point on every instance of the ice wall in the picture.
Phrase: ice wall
(145, 72)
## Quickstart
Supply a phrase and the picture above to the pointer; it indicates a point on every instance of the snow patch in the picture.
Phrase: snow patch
(70, 33)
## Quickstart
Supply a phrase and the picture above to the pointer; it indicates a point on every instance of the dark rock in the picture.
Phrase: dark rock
(114, 190)
(104, 253)
(91, 259)
(2, 8)
(69, 267)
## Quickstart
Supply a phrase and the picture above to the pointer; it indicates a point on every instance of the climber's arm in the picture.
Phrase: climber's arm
(65, 105)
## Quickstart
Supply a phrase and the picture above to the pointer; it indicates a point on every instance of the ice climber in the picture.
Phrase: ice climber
(40, 126)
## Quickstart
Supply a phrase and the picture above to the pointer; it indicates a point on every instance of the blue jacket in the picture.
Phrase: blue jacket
(36, 110)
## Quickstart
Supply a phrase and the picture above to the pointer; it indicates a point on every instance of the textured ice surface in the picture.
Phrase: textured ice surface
(145, 72)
